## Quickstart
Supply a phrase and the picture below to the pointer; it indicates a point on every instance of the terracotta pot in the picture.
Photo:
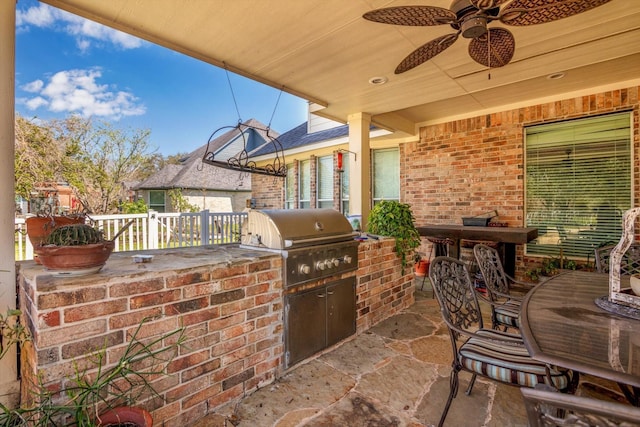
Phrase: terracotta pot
(79, 257)
(422, 267)
(125, 416)
(39, 227)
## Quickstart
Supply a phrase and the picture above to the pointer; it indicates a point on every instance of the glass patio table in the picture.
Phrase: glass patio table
(561, 325)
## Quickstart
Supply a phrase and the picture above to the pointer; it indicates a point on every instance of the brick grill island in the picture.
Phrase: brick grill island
(229, 299)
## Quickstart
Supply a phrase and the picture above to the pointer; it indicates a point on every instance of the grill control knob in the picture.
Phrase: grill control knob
(335, 262)
(321, 265)
(304, 269)
(347, 259)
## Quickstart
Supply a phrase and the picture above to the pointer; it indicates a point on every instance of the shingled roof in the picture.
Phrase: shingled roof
(192, 173)
(298, 137)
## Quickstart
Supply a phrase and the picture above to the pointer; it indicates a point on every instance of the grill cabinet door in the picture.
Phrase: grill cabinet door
(305, 324)
(341, 310)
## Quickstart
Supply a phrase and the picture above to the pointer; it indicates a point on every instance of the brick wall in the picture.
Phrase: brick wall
(383, 288)
(232, 317)
(268, 191)
(475, 165)
(232, 312)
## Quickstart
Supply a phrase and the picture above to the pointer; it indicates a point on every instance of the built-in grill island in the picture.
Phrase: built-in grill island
(320, 257)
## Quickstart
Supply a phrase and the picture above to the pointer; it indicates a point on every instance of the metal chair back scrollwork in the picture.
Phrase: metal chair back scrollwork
(493, 354)
(505, 306)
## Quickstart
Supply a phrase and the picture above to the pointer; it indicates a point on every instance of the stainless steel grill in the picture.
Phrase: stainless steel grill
(315, 243)
(320, 257)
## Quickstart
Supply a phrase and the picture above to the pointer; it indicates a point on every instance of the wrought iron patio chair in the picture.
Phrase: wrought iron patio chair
(505, 306)
(630, 263)
(547, 408)
(496, 355)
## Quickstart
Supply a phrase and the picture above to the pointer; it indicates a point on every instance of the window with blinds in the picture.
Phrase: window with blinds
(385, 174)
(304, 195)
(344, 188)
(578, 184)
(325, 181)
(290, 188)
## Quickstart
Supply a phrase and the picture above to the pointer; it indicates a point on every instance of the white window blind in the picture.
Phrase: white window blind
(290, 188)
(578, 184)
(305, 184)
(325, 181)
(344, 187)
(386, 174)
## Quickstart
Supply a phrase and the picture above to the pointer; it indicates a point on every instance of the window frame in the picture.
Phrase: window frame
(304, 178)
(153, 206)
(324, 164)
(375, 198)
(583, 216)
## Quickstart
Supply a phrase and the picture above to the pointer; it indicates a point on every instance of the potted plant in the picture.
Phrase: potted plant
(421, 265)
(39, 227)
(76, 249)
(104, 394)
(395, 219)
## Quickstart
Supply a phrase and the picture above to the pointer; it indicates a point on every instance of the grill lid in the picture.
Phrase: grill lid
(288, 228)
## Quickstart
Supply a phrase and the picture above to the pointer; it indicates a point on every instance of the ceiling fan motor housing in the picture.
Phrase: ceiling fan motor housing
(473, 27)
(472, 22)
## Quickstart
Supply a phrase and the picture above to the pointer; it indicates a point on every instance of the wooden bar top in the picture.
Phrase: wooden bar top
(494, 234)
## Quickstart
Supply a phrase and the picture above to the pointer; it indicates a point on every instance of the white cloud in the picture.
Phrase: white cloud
(44, 16)
(34, 86)
(35, 103)
(77, 91)
(40, 16)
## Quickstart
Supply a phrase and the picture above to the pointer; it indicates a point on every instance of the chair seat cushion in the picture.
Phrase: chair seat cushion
(508, 313)
(507, 360)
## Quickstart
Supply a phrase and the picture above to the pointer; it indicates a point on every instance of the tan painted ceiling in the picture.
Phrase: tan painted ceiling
(324, 51)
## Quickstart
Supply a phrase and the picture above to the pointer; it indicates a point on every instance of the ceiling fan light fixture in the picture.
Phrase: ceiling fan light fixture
(474, 27)
(377, 81)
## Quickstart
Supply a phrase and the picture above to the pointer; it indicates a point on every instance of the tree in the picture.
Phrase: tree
(37, 156)
(155, 162)
(98, 158)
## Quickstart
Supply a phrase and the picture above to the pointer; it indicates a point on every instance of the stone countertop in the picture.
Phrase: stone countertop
(165, 261)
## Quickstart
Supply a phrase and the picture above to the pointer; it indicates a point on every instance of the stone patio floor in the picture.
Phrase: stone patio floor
(395, 374)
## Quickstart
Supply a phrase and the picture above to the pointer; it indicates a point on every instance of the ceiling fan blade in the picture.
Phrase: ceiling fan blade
(418, 16)
(487, 4)
(493, 49)
(532, 12)
(426, 52)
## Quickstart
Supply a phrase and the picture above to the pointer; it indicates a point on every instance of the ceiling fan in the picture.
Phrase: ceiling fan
(491, 47)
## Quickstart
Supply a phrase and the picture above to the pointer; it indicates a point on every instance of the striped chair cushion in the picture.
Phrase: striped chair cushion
(507, 313)
(506, 363)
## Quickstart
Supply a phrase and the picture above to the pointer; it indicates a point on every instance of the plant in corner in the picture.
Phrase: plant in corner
(395, 219)
(102, 394)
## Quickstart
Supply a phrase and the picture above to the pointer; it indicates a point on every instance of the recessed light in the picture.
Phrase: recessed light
(555, 76)
(378, 80)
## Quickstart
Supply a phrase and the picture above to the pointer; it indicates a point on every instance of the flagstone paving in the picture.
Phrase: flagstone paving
(394, 375)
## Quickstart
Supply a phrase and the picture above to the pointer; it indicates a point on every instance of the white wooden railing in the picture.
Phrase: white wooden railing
(154, 230)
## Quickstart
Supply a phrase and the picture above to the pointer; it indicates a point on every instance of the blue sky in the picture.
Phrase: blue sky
(68, 65)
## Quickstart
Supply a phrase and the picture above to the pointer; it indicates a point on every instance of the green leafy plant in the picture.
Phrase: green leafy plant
(139, 206)
(395, 219)
(180, 203)
(533, 274)
(100, 386)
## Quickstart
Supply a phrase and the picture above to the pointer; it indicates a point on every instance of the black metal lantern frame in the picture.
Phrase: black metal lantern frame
(241, 161)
